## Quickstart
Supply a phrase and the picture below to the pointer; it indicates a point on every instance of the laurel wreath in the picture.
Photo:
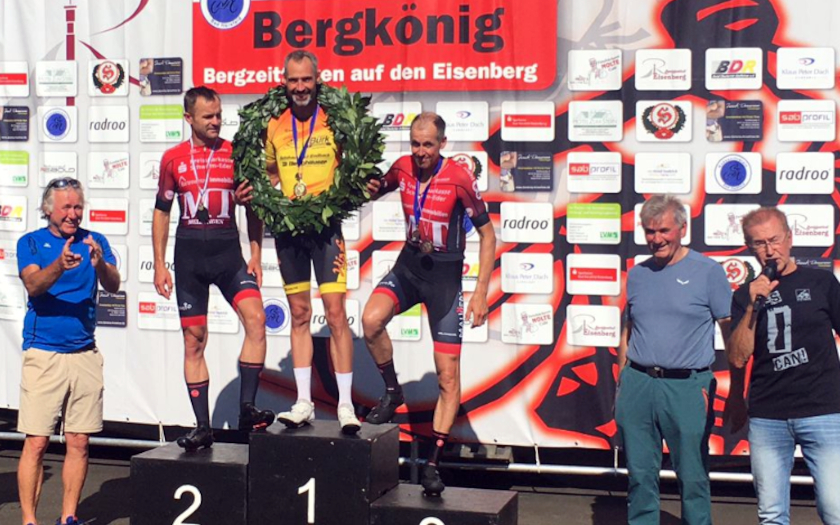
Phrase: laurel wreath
(361, 143)
(651, 128)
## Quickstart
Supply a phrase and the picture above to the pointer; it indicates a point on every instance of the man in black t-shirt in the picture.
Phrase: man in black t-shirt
(785, 323)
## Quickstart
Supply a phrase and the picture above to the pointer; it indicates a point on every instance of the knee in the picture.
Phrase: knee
(373, 324)
(301, 316)
(449, 382)
(36, 446)
(336, 318)
(254, 325)
(77, 444)
(194, 343)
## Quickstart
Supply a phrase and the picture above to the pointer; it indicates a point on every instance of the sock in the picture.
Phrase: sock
(345, 388)
(389, 375)
(437, 447)
(249, 382)
(200, 404)
(303, 381)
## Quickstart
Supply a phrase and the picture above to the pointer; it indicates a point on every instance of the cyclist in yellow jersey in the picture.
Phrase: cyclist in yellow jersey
(301, 156)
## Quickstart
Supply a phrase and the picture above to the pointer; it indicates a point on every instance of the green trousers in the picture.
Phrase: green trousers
(648, 410)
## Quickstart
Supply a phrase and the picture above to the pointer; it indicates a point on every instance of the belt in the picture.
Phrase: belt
(667, 373)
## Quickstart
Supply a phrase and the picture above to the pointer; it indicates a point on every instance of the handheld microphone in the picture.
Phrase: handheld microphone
(770, 272)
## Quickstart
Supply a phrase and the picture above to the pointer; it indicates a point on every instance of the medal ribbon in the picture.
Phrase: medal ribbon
(299, 157)
(207, 170)
(418, 211)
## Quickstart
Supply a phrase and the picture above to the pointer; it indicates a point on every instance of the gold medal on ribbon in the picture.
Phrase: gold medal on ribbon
(300, 189)
(427, 247)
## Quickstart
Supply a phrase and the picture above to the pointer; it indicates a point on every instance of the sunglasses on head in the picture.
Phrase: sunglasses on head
(63, 182)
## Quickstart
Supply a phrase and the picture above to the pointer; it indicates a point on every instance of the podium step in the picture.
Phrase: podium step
(210, 485)
(315, 474)
(406, 505)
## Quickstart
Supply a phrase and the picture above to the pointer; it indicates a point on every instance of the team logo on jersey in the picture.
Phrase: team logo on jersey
(775, 298)
(803, 295)
(182, 167)
(225, 14)
(108, 76)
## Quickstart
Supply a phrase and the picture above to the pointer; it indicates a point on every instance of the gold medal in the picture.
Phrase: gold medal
(200, 206)
(427, 247)
(300, 189)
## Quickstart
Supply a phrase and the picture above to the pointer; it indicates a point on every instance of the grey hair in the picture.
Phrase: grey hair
(48, 200)
(656, 206)
(760, 216)
(298, 56)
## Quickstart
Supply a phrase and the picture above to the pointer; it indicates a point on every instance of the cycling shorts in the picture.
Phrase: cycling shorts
(325, 252)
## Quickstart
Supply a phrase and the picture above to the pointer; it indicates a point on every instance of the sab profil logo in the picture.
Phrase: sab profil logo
(225, 14)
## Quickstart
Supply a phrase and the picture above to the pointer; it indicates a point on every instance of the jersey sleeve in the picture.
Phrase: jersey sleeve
(27, 252)
(107, 252)
(270, 150)
(471, 200)
(166, 184)
(720, 293)
(391, 180)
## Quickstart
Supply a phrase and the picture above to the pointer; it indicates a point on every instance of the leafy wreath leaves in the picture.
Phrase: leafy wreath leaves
(361, 143)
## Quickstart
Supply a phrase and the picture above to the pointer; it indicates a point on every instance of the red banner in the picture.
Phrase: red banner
(379, 45)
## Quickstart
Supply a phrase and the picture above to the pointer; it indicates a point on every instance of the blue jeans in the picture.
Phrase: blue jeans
(772, 443)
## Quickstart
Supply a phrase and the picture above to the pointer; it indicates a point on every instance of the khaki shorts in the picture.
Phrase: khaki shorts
(53, 384)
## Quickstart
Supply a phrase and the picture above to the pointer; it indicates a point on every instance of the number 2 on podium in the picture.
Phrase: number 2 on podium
(192, 508)
(309, 489)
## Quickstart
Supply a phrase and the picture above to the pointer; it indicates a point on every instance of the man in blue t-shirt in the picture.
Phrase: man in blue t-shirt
(667, 343)
(60, 266)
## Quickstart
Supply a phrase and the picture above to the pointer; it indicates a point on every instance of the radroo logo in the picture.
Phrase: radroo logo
(225, 14)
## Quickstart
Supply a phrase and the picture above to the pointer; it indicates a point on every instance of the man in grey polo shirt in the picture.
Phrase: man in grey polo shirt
(667, 341)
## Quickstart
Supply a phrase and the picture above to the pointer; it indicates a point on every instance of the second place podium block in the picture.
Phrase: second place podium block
(315, 474)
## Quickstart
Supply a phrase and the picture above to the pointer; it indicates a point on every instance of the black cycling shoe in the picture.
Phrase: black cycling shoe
(252, 418)
(200, 437)
(430, 479)
(384, 411)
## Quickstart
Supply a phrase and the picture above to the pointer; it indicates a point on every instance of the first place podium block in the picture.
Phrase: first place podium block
(406, 505)
(210, 485)
(315, 474)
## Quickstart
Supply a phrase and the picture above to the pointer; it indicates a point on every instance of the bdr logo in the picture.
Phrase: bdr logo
(527, 222)
(727, 67)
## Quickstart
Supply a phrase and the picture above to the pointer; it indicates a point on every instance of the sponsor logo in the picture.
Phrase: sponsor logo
(525, 223)
(805, 117)
(10, 213)
(108, 76)
(656, 69)
(803, 174)
(107, 125)
(734, 69)
(594, 274)
(225, 14)
(107, 215)
(733, 172)
(596, 118)
(528, 121)
(277, 316)
(598, 70)
(56, 124)
(585, 325)
(148, 308)
(663, 120)
(800, 227)
(529, 323)
(397, 121)
(803, 295)
(737, 272)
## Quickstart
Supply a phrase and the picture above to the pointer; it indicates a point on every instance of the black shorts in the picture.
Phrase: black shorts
(326, 252)
(422, 278)
(200, 263)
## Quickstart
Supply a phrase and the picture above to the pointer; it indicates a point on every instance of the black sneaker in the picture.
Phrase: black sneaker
(252, 418)
(200, 437)
(430, 479)
(384, 411)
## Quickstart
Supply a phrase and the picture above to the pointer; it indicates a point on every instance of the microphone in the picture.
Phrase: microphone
(770, 272)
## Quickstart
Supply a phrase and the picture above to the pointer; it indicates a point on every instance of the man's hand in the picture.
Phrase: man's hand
(163, 281)
(255, 269)
(762, 286)
(95, 251)
(735, 411)
(373, 186)
(477, 310)
(242, 195)
(69, 260)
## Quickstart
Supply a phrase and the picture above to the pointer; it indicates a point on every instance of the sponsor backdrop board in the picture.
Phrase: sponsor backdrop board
(570, 139)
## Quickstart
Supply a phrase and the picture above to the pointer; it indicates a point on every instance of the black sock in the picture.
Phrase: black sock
(389, 375)
(437, 447)
(200, 404)
(250, 381)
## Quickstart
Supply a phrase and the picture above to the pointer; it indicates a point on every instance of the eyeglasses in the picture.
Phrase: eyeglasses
(762, 246)
(63, 182)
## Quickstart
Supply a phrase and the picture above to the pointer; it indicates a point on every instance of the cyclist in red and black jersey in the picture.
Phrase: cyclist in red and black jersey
(200, 173)
(436, 196)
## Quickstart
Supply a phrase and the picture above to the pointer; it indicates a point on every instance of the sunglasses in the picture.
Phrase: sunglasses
(63, 182)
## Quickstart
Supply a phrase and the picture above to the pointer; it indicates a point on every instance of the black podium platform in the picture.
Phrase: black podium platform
(316, 474)
(406, 505)
(306, 476)
(210, 485)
